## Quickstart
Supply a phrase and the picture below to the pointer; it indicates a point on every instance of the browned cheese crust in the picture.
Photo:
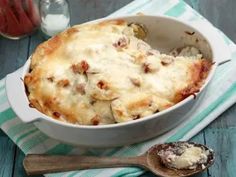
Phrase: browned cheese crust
(102, 74)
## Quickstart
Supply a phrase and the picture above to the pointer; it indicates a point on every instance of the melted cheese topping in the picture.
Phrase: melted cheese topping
(101, 74)
(189, 158)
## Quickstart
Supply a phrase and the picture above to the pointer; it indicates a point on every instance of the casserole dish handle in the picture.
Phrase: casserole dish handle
(18, 100)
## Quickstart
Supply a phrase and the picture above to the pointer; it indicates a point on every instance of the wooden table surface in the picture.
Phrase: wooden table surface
(220, 135)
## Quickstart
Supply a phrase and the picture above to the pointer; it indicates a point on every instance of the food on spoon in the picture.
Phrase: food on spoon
(104, 66)
(184, 156)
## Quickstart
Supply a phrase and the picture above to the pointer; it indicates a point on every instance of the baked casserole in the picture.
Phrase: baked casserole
(105, 73)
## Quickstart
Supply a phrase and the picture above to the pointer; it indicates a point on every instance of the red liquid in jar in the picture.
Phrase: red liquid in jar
(18, 17)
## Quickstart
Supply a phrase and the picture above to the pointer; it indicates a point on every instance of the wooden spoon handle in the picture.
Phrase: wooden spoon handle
(42, 164)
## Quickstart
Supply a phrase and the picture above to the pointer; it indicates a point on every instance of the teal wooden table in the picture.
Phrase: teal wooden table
(220, 135)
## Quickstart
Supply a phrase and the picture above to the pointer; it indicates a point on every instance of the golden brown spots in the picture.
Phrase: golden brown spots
(92, 102)
(81, 67)
(95, 120)
(31, 105)
(200, 70)
(191, 90)
(35, 104)
(186, 92)
(139, 104)
(135, 117)
(75, 68)
(102, 85)
(63, 83)
(51, 78)
(71, 31)
(121, 43)
(114, 22)
(156, 111)
(49, 102)
(136, 82)
(166, 61)
(84, 65)
(146, 68)
(206, 65)
(118, 112)
(140, 58)
(119, 22)
(80, 88)
(56, 115)
(28, 78)
(51, 45)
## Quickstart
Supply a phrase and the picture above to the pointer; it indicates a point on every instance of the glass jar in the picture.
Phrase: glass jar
(18, 18)
(55, 16)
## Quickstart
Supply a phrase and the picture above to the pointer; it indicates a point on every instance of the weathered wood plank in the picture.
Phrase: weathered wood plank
(7, 153)
(223, 141)
(226, 120)
(12, 53)
(18, 167)
(2, 134)
(85, 10)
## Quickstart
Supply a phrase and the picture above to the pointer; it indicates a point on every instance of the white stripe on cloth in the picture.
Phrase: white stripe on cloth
(2, 82)
(27, 138)
(10, 123)
(186, 16)
(74, 173)
(25, 131)
(2, 93)
(161, 10)
(109, 172)
(4, 106)
(212, 116)
(44, 146)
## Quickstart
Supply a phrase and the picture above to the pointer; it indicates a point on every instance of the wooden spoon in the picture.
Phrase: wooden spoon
(42, 164)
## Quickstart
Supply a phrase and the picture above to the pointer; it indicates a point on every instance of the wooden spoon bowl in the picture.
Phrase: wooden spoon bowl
(157, 167)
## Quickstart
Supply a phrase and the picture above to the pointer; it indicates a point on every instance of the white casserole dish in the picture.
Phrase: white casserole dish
(164, 34)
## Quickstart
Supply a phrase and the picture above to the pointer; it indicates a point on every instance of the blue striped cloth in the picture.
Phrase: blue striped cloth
(220, 95)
